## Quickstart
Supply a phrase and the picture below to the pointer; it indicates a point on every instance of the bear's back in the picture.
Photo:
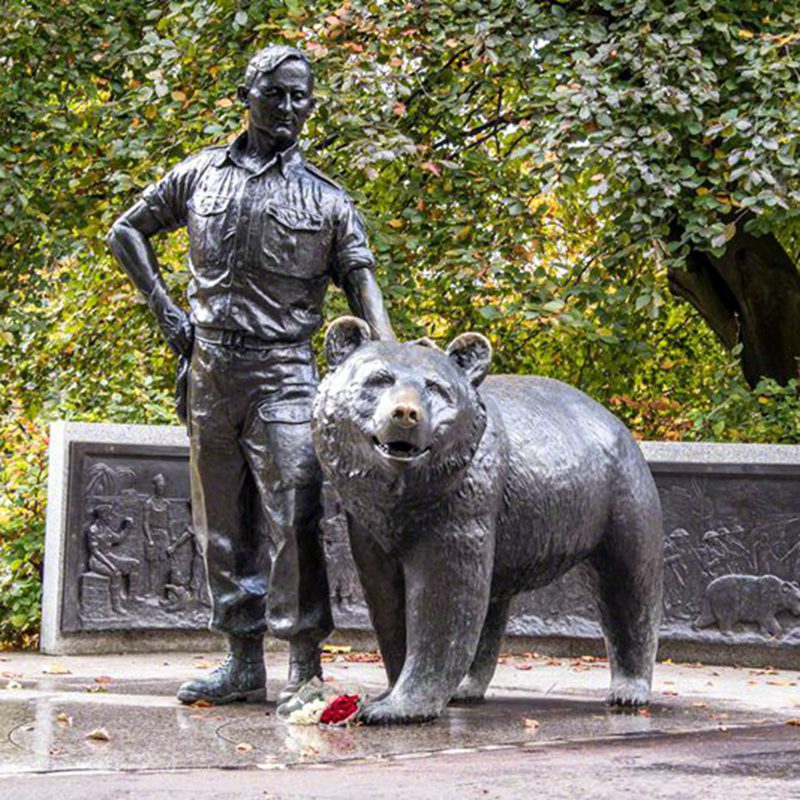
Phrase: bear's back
(564, 455)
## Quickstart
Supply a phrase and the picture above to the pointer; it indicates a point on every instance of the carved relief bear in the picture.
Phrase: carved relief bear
(748, 598)
(461, 493)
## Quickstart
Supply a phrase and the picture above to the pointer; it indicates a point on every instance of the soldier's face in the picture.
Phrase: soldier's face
(281, 101)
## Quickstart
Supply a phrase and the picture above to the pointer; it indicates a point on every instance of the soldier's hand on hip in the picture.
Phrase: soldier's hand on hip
(177, 329)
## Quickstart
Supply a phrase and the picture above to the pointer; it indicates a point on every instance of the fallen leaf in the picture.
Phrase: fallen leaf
(523, 667)
(795, 721)
(364, 658)
(244, 747)
(13, 685)
(99, 735)
(700, 704)
(644, 712)
(201, 704)
(203, 665)
(56, 669)
(532, 724)
(103, 679)
(336, 648)
(781, 683)
(64, 718)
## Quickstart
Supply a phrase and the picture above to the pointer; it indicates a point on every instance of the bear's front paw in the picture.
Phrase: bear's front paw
(629, 692)
(469, 692)
(393, 711)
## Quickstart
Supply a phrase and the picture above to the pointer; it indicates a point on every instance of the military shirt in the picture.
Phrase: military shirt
(262, 244)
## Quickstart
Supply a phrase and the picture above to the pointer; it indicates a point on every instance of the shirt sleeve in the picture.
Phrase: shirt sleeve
(351, 249)
(168, 198)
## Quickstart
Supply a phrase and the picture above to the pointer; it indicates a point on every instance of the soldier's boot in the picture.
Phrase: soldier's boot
(304, 664)
(241, 676)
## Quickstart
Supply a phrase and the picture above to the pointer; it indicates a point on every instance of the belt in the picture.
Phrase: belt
(240, 340)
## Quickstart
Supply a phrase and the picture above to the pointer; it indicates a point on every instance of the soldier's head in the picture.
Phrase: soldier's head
(278, 90)
(158, 484)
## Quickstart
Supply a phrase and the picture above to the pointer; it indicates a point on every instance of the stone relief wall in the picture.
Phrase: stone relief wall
(732, 553)
(133, 560)
(732, 564)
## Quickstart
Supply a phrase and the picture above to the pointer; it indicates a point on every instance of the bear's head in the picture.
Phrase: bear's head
(387, 408)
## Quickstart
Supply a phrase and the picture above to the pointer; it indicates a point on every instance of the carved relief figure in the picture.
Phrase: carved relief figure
(122, 571)
(155, 523)
(185, 567)
(748, 598)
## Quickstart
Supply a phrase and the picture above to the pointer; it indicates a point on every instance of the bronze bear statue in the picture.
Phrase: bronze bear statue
(462, 492)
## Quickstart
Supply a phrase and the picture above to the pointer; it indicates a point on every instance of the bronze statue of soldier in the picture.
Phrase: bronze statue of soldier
(267, 232)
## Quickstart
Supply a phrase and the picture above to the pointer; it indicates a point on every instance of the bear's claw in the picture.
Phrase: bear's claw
(629, 693)
(469, 692)
(391, 712)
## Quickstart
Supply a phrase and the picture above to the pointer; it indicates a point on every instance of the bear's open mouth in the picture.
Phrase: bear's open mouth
(399, 450)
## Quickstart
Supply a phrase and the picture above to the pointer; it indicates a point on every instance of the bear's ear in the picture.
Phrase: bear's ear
(344, 335)
(472, 353)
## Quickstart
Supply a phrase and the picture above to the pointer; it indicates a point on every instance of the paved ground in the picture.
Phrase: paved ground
(714, 732)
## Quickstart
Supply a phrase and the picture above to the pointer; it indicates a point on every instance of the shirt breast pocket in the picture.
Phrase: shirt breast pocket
(295, 242)
(208, 216)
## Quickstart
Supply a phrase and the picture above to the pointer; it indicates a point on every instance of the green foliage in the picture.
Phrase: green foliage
(524, 168)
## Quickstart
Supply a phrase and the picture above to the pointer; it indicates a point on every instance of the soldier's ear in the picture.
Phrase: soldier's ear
(344, 335)
(241, 93)
(472, 353)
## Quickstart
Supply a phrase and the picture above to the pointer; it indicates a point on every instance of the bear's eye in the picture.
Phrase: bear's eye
(436, 388)
(379, 379)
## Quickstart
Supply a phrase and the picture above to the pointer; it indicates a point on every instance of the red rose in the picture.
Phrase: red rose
(340, 709)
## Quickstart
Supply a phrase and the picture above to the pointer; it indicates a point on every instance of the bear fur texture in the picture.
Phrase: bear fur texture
(459, 498)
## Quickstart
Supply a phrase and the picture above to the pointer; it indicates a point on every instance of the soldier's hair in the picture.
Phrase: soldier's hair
(270, 58)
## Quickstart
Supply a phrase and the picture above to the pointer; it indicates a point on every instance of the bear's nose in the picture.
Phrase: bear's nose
(407, 415)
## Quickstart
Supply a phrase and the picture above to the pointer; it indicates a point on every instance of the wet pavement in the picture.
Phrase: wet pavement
(719, 731)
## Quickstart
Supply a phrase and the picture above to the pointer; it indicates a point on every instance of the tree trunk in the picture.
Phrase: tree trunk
(750, 296)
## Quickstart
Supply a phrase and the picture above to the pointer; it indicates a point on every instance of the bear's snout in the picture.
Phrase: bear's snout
(407, 415)
(402, 426)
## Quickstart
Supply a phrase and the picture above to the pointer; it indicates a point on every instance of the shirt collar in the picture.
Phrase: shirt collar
(285, 160)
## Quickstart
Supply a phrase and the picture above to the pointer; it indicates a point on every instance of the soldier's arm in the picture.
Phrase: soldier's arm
(129, 240)
(163, 207)
(353, 266)
(146, 523)
(366, 301)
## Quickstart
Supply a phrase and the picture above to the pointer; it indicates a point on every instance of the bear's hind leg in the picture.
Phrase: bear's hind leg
(474, 686)
(629, 566)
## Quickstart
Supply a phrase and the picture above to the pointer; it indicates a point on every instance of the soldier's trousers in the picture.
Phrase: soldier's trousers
(256, 499)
